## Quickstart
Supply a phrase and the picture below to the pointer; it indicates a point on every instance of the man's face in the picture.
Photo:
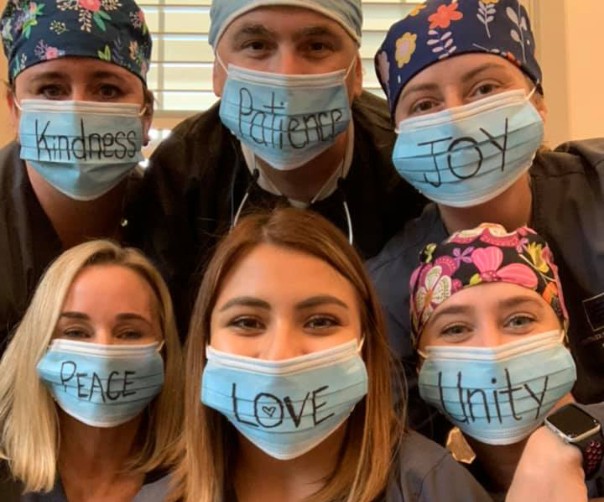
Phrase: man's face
(289, 41)
(461, 80)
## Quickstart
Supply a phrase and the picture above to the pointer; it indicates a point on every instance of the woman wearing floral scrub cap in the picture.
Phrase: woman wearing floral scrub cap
(489, 325)
(81, 111)
(466, 95)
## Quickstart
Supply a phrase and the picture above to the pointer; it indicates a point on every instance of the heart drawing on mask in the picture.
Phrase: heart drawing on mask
(269, 410)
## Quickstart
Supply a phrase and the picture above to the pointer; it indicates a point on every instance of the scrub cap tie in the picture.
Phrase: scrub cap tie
(346, 12)
(485, 254)
(439, 29)
(108, 30)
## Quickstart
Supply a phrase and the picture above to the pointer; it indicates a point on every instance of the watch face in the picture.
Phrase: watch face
(573, 421)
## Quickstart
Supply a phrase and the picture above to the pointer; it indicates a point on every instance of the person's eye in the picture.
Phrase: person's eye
(75, 332)
(318, 48)
(129, 334)
(246, 323)
(455, 331)
(485, 89)
(53, 91)
(423, 106)
(520, 321)
(109, 91)
(322, 322)
(256, 47)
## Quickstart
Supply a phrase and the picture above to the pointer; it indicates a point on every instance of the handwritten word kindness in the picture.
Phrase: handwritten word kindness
(489, 404)
(473, 151)
(117, 144)
(108, 387)
(266, 124)
(269, 411)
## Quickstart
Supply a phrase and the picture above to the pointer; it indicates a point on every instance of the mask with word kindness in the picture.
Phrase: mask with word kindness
(83, 149)
(102, 385)
(498, 395)
(286, 407)
(467, 155)
(286, 120)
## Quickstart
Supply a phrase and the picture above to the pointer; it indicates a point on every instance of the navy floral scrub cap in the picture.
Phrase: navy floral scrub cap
(108, 30)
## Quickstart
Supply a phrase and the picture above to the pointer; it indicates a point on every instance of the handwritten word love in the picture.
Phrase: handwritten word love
(270, 411)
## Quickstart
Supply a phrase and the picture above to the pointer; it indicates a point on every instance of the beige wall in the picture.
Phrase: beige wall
(570, 39)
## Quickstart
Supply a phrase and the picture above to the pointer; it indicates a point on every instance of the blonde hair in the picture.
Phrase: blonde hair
(374, 428)
(29, 425)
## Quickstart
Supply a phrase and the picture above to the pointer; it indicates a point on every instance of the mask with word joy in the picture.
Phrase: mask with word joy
(102, 385)
(467, 155)
(498, 395)
(81, 148)
(286, 407)
(286, 120)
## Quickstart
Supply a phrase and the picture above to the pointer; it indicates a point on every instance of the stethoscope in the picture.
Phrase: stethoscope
(235, 215)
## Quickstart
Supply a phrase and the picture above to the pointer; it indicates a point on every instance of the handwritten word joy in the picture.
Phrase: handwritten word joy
(465, 143)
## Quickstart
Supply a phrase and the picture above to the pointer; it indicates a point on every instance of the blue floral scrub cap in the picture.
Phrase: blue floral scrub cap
(346, 12)
(439, 29)
(109, 30)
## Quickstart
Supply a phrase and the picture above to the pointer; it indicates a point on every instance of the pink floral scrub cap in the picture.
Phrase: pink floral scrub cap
(487, 253)
(109, 30)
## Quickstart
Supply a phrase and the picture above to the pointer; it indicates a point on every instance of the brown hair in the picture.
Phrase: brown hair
(374, 428)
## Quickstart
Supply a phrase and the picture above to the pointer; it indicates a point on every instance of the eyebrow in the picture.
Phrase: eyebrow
(249, 301)
(452, 310)
(248, 30)
(517, 301)
(245, 301)
(126, 316)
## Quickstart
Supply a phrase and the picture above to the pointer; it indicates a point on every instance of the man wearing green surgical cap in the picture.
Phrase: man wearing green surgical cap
(293, 127)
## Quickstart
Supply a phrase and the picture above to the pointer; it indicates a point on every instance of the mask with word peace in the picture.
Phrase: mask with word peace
(468, 155)
(287, 407)
(498, 395)
(83, 149)
(102, 385)
(286, 120)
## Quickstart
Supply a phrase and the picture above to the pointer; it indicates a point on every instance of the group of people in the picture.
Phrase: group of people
(348, 274)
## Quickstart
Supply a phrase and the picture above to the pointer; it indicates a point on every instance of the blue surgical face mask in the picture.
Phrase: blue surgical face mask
(498, 395)
(465, 156)
(102, 385)
(83, 149)
(287, 407)
(286, 120)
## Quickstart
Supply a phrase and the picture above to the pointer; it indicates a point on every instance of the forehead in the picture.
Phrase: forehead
(76, 69)
(484, 296)
(284, 20)
(280, 271)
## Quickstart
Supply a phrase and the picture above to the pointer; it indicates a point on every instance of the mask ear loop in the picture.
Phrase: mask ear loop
(255, 176)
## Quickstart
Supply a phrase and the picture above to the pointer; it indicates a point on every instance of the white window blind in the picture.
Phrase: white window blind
(181, 69)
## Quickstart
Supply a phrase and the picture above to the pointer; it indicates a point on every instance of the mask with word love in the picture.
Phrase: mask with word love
(468, 155)
(287, 407)
(102, 385)
(83, 149)
(498, 395)
(286, 120)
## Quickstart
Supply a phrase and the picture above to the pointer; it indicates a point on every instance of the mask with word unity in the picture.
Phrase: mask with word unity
(286, 120)
(83, 149)
(286, 407)
(102, 385)
(467, 155)
(498, 395)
